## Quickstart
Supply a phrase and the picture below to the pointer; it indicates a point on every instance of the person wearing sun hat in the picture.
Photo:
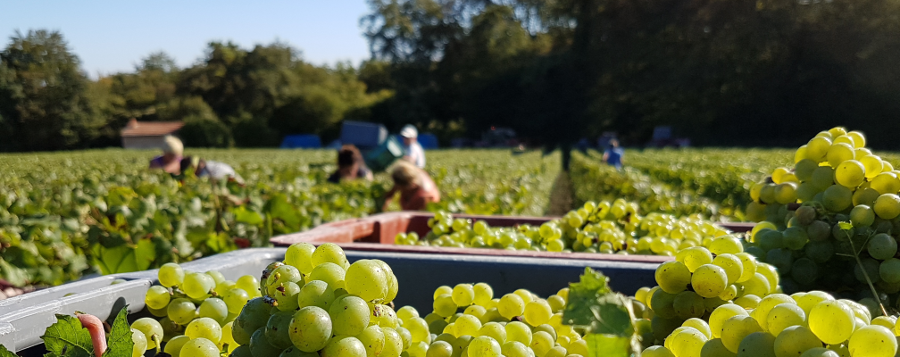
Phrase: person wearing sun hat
(170, 160)
(413, 151)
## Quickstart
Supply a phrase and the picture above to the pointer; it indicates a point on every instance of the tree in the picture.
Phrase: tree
(43, 95)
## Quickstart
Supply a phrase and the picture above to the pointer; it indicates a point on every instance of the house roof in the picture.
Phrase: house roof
(150, 128)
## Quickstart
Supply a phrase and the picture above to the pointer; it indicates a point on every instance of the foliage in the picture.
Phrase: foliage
(606, 315)
(66, 337)
(63, 215)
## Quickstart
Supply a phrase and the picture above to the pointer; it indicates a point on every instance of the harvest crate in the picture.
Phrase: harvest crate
(418, 275)
(376, 233)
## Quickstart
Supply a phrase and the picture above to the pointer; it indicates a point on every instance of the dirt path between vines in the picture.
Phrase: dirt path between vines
(562, 197)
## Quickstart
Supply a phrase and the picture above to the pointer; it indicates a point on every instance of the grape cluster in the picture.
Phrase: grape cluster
(720, 301)
(837, 203)
(467, 320)
(610, 228)
(315, 301)
(196, 310)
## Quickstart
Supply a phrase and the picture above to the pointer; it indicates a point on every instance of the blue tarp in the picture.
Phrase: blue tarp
(428, 141)
(363, 135)
(306, 141)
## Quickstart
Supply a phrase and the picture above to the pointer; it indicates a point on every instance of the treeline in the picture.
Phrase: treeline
(232, 97)
(741, 72)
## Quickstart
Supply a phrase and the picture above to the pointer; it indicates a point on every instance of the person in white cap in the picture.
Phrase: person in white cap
(413, 150)
(170, 161)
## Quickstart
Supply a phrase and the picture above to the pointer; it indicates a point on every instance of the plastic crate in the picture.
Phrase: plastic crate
(418, 275)
(363, 135)
(376, 233)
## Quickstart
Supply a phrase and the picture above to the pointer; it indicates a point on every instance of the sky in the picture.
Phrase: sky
(113, 36)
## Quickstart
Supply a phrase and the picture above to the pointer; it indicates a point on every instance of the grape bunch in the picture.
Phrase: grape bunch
(467, 320)
(315, 301)
(610, 228)
(196, 310)
(832, 221)
(719, 301)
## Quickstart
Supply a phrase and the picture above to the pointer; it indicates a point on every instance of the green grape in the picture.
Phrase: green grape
(215, 309)
(882, 246)
(439, 349)
(887, 206)
(663, 304)
(818, 231)
(511, 305)
(349, 315)
(475, 310)
(463, 294)
(204, 327)
(393, 343)
(822, 177)
(694, 257)
(249, 284)
(299, 255)
(260, 345)
(407, 312)
(197, 285)
(344, 346)
(315, 293)
(736, 329)
(688, 304)
(831, 321)
(514, 349)
(839, 153)
(819, 352)
(795, 238)
(862, 216)
(170, 275)
(850, 174)
(758, 285)
(384, 316)
(804, 271)
(811, 299)
(709, 280)
(217, 277)
(442, 290)
(819, 252)
(181, 311)
(804, 169)
(715, 348)
(837, 198)
(794, 340)
(278, 329)
(865, 196)
(537, 312)
(330, 253)
(874, 341)
(139, 343)
(483, 293)
(726, 245)
(781, 258)
(887, 321)
(170, 328)
(699, 325)
(330, 273)
(518, 331)
(157, 297)
(199, 347)
(224, 286)
(885, 183)
(673, 277)
(757, 344)
(287, 296)
(766, 304)
(241, 351)
(235, 299)
(173, 347)
(418, 328)
(731, 264)
(688, 342)
(786, 193)
(485, 346)
(444, 305)
(373, 340)
(493, 330)
(748, 262)
(541, 343)
(280, 276)
(405, 336)
(151, 329)
(657, 351)
(367, 279)
(557, 351)
(889, 270)
(310, 329)
(227, 342)
(468, 325)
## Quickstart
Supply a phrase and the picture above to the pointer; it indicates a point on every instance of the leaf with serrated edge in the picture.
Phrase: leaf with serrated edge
(583, 295)
(67, 338)
(120, 343)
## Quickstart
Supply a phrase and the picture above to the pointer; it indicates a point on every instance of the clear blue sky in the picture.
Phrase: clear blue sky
(112, 36)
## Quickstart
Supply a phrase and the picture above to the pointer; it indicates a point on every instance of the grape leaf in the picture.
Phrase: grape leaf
(612, 315)
(600, 345)
(120, 343)
(66, 338)
(5, 352)
(583, 297)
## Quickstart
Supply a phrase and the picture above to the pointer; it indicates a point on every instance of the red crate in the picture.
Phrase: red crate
(376, 233)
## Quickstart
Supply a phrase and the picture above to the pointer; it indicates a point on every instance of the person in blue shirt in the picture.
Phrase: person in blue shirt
(613, 154)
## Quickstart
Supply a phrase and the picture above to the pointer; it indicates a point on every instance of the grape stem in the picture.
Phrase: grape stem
(866, 274)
